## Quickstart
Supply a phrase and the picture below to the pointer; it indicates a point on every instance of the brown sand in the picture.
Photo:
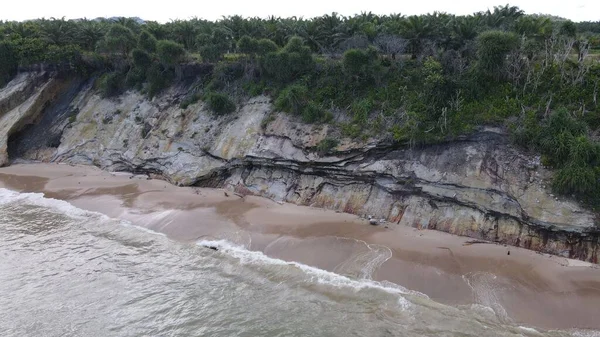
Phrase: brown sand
(535, 289)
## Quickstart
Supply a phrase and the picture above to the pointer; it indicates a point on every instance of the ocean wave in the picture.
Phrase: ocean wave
(247, 257)
(39, 199)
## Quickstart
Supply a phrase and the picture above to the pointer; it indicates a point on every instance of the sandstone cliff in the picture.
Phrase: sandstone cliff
(479, 186)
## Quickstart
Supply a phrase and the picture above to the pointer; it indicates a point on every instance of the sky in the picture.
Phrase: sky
(166, 10)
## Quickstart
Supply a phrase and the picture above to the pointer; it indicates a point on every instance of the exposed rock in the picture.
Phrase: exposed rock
(478, 186)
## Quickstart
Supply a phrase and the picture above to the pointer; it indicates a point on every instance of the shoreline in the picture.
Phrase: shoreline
(536, 289)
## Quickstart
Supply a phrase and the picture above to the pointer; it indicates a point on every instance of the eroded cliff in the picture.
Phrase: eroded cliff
(479, 186)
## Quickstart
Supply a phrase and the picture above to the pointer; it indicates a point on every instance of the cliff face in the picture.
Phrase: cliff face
(479, 186)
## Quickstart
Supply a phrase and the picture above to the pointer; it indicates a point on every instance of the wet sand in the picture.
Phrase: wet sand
(526, 287)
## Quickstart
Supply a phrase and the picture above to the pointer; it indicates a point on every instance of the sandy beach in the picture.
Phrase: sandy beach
(532, 289)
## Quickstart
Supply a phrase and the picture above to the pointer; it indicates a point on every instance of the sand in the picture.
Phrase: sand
(534, 289)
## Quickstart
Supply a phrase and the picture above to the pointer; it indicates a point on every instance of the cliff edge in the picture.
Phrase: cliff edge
(478, 186)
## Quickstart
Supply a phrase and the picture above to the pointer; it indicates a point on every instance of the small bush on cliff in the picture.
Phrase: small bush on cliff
(312, 113)
(566, 146)
(219, 103)
(111, 84)
(326, 145)
(292, 99)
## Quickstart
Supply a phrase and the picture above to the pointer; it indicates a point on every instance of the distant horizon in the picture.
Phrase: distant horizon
(577, 10)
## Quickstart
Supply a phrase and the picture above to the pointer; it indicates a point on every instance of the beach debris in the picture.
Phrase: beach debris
(240, 195)
(212, 247)
(279, 202)
(373, 222)
(381, 221)
(508, 253)
(226, 194)
(472, 242)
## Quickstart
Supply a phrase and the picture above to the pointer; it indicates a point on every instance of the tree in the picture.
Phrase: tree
(415, 29)
(8, 62)
(185, 32)
(119, 39)
(141, 59)
(538, 28)
(147, 41)
(360, 64)
(265, 46)
(568, 28)
(169, 53)
(58, 31)
(390, 45)
(88, 34)
(247, 45)
(492, 48)
(212, 46)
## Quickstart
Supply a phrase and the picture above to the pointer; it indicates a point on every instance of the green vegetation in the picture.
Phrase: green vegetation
(413, 80)
(219, 103)
(326, 145)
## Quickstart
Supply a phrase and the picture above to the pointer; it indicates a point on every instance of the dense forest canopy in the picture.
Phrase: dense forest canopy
(410, 79)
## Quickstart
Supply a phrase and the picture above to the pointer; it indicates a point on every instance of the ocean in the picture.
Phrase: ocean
(69, 272)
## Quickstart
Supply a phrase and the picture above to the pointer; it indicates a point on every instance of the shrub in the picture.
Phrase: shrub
(361, 110)
(326, 145)
(141, 58)
(169, 53)
(360, 64)
(219, 103)
(119, 39)
(265, 46)
(565, 145)
(312, 113)
(247, 45)
(579, 180)
(147, 42)
(228, 71)
(292, 99)
(210, 53)
(158, 79)
(8, 62)
(191, 99)
(111, 84)
(294, 61)
(492, 48)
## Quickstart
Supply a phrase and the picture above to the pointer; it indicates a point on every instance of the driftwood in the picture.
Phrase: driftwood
(472, 242)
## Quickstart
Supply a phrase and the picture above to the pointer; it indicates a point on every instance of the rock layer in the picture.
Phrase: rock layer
(478, 186)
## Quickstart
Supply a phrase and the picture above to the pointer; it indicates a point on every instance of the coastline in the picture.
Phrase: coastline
(535, 289)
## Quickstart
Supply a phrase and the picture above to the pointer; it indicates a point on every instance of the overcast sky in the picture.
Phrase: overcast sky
(166, 10)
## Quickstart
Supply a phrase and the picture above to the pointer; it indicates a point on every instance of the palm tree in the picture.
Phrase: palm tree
(415, 29)
(502, 16)
(465, 28)
(536, 27)
(89, 33)
(57, 31)
(23, 29)
(184, 32)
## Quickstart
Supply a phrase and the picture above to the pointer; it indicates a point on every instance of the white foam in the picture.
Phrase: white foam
(528, 329)
(126, 223)
(585, 333)
(38, 199)
(317, 275)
